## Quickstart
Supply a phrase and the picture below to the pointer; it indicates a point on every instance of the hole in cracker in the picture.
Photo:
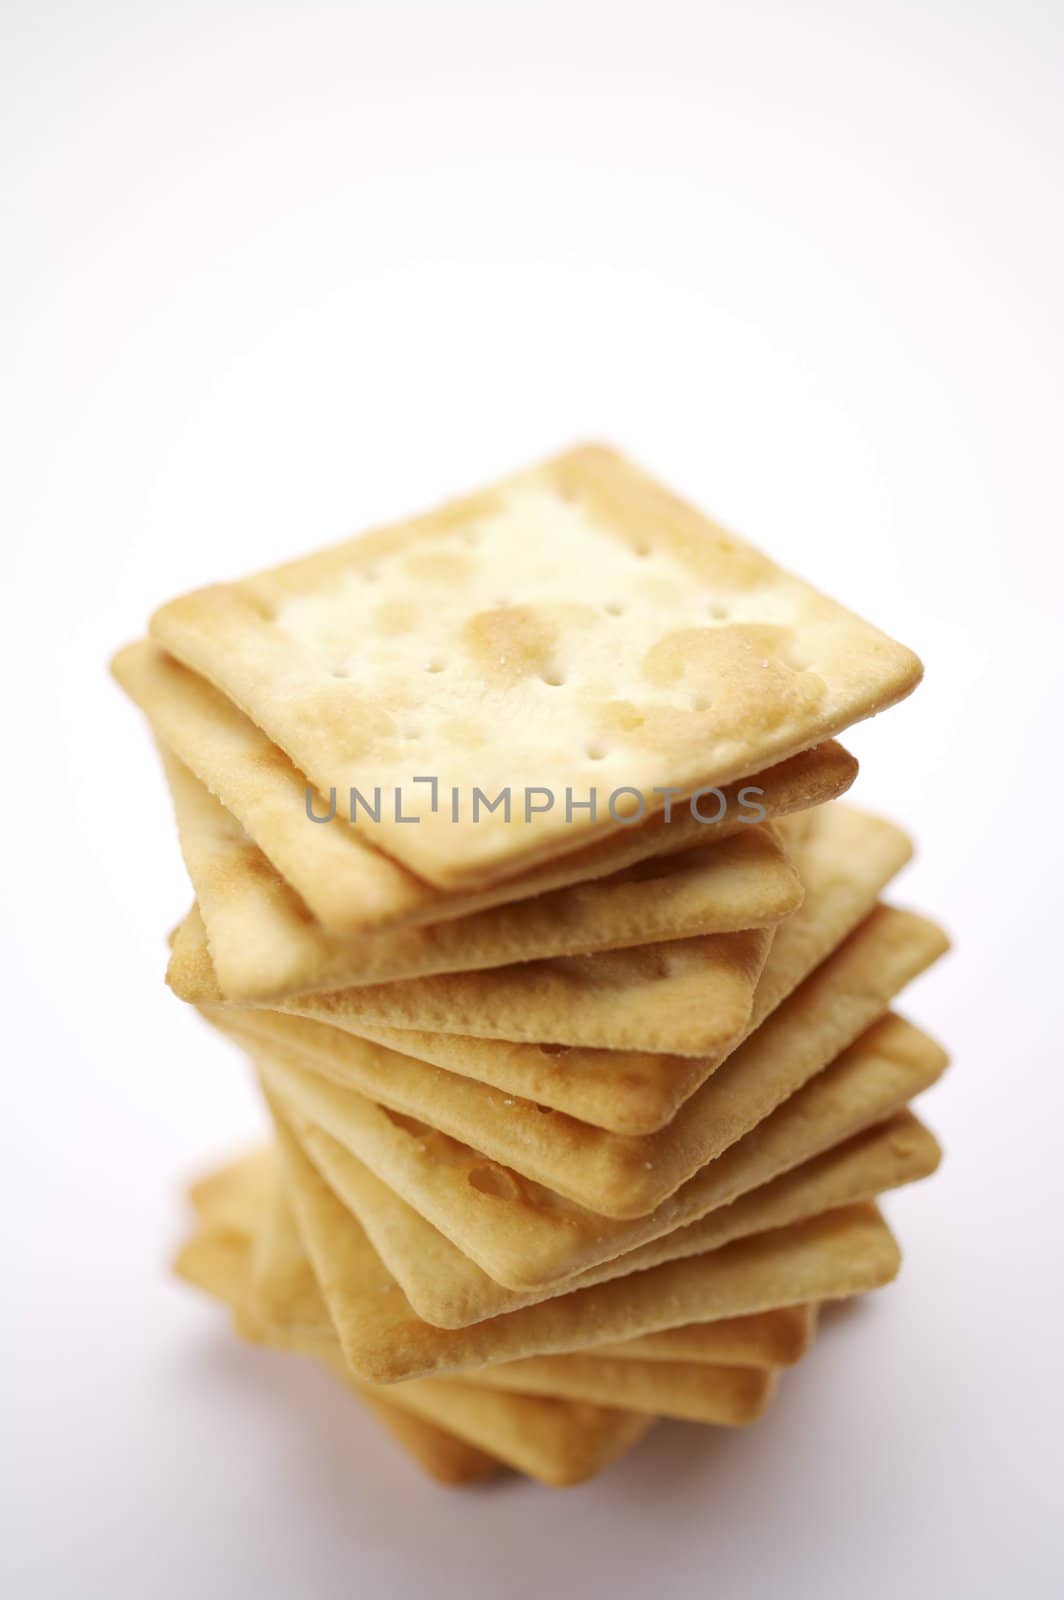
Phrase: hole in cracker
(497, 1182)
(436, 664)
(553, 678)
(642, 549)
(595, 752)
(717, 609)
(614, 609)
(340, 672)
(701, 702)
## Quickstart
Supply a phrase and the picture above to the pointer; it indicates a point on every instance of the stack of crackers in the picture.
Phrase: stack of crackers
(522, 878)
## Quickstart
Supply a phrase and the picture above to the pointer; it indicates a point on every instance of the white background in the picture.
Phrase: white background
(275, 271)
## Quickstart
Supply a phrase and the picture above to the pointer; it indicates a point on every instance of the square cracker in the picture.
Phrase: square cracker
(768, 1339)
(779, 1174)
(692, 1391)
(331, 1076)
(444, 1456)
(342, 881)
(690, 997)
(843, 1253)
(845, 858)
(621, 640)
(262, 945)
(558, 1442)
(284, 1291)
(459, 1432)
(732, 1393)
(693, 996)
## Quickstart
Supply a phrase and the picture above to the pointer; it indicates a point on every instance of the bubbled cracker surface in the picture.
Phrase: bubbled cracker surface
(485, 613)
(575, 627)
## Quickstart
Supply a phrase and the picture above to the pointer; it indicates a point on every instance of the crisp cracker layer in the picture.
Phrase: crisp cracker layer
(624, 642)
(337, 1081)
(335, 880)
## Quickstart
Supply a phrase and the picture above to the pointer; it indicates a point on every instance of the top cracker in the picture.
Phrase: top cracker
(574, 630)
